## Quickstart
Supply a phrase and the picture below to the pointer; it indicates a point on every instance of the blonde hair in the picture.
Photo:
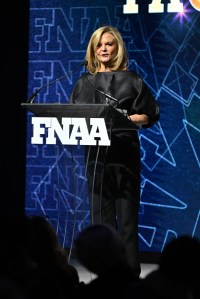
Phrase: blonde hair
(121, 59)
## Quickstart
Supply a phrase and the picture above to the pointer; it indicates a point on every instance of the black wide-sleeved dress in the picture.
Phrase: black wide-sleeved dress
(114, 171)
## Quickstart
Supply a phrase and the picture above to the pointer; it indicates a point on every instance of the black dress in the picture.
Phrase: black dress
(114, 171)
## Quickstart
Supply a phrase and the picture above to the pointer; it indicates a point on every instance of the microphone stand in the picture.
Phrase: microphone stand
(32, 97)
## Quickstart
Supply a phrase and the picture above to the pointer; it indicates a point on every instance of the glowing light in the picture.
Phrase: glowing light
(184, 15)
(195, 4)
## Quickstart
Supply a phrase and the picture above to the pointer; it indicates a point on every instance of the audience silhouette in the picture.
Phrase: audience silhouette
(50, 256)
(15, 264)
(31, 259)
(100, 249)
(180, 262)
(10, 290)
(34, 265)
(177, 276)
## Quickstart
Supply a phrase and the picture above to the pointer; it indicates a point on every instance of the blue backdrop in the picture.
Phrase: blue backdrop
(164, 49)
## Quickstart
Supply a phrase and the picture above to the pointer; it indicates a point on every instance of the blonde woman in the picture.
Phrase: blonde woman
(114, 171)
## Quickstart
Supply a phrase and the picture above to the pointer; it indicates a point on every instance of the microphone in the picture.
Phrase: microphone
(32, 97)
(107, 95)
(102, 92)
(123, 111)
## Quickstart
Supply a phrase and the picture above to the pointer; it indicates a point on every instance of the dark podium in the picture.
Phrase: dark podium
(116, 118)
(73, 176)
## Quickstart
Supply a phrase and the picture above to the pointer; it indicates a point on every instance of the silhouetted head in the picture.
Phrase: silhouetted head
(176, 277)
(180, 258)
(100, 248)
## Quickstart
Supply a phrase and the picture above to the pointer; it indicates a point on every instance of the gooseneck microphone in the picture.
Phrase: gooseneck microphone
(107, 96)
(32, 97)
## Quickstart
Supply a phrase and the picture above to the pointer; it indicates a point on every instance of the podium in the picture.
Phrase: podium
(68, 171)
(65, 110)
(117, 118)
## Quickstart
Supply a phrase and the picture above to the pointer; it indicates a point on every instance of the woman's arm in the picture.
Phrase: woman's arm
(139, 119)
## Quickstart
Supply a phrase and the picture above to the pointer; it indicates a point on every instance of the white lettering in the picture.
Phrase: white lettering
(155, 7)
(99, 131)
(130, 7)
(38, 130)
(175, 6)
(71, 131)
(63, 133)
(79, 131)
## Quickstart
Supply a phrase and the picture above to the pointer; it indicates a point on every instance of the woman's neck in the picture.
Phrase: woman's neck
(104, 68)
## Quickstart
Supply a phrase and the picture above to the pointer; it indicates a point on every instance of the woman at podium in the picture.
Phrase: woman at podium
(114, 171)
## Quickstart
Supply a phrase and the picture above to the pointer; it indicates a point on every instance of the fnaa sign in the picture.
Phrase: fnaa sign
(70, 131)
(156, 6)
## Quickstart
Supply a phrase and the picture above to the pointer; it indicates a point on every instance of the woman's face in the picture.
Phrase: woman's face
(106, 49)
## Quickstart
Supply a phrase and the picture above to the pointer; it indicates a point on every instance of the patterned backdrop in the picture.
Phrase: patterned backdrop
(163, 46)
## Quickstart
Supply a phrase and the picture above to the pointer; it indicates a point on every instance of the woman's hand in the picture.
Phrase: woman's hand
(139, 119)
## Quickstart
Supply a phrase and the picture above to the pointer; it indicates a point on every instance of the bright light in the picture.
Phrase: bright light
(184, 15)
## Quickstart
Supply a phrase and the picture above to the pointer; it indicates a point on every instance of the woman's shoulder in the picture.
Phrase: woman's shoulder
(85, 76)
